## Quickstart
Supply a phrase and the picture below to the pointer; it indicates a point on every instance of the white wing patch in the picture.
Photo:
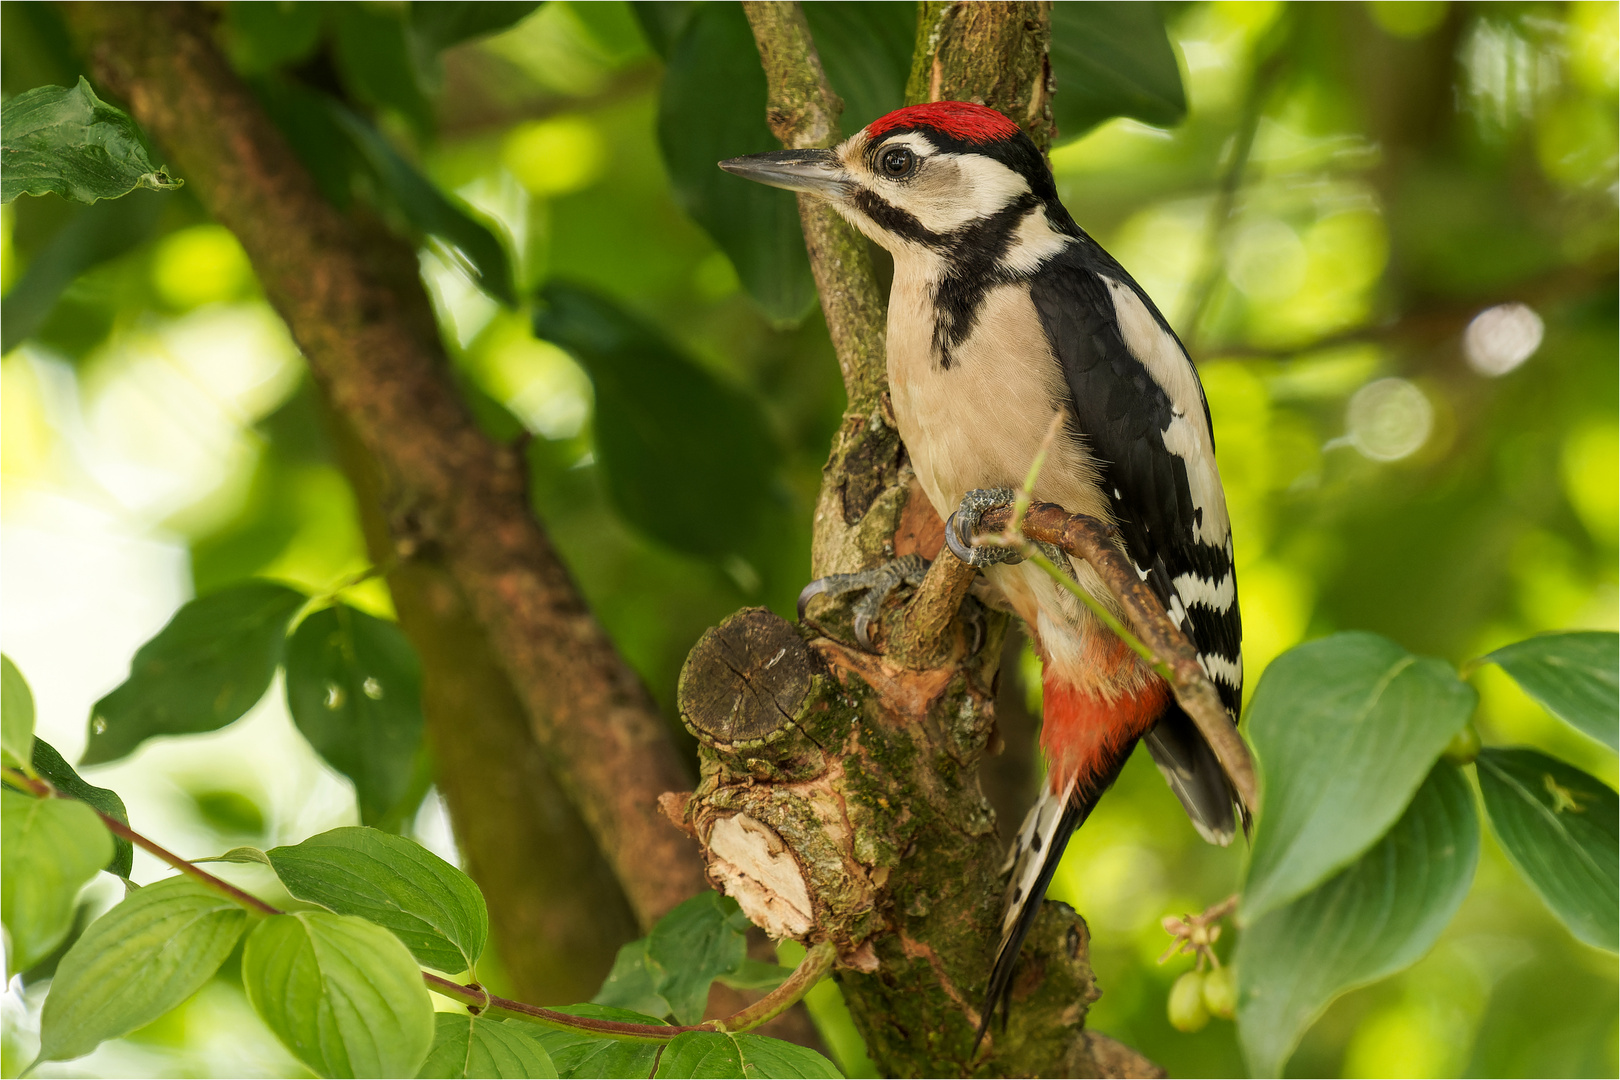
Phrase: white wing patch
(1217, 596)
(1188, 434)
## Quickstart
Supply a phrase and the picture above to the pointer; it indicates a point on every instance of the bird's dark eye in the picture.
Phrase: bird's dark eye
(898, 162)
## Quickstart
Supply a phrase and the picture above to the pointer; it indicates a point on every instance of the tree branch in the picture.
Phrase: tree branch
(803, 111)
(456, 492)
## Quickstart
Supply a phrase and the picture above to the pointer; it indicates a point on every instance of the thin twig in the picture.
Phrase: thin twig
(816, 963)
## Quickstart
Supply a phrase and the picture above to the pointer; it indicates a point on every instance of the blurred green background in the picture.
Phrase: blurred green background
(1392, 462)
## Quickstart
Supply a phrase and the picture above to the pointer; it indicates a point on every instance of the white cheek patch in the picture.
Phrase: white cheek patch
(1217, 596)
(1188, 434)
(953, 190)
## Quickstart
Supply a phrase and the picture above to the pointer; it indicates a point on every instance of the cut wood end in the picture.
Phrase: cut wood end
(752, 865)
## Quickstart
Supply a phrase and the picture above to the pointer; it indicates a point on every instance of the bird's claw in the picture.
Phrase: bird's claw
(963, 525)
(876, 583)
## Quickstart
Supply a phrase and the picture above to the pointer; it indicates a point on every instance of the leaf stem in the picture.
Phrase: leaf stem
(479, 1001)
(44, 790)
(815, 965)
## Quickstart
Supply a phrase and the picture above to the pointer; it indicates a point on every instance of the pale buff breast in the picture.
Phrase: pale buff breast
(980, 423)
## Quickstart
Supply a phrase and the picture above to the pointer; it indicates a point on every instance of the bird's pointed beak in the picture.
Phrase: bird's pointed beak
(818, 172)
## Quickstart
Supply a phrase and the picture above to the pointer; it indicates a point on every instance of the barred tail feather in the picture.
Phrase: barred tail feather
(1031, 860)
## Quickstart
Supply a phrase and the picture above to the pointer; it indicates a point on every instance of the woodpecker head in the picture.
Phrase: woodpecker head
(926, 178)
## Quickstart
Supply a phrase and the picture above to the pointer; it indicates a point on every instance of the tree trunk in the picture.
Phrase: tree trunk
(547, 747)
(840, 798)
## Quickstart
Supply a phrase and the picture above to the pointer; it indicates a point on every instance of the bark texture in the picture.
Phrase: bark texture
(839, 798)
(452, 494)
(557, 912)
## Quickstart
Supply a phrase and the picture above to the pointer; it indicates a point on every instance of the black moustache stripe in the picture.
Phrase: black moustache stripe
(975, 255)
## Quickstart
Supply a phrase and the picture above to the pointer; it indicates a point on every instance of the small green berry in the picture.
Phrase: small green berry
(1187, 1010)
(1464, 746)
(1220, 993)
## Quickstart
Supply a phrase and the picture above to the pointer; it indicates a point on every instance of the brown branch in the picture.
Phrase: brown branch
(803, 111)
(1095, 542)
(384, 369)
(557, 912)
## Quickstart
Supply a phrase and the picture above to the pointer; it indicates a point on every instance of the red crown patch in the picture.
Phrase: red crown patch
(957, 119)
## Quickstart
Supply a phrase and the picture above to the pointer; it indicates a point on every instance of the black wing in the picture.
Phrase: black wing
(1122, 413)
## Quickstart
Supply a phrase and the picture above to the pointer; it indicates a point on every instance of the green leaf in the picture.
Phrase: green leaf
(866, 51)
(432, 907)
(354, 687)
(687, 458)
(718, 1054)
(68, 141)
(1376, 917)
(16, 717)
(341, 993)
(430, 210)
(755, 975)
(1113, 59)
(441, 24)
(49, 848)
(1344, 730)
(135, 963)
(465, 1045)
(712, 108)
(1576, 677)
(306, 119)
(50, 765)
(633, 982)
(261, 37)
(662, 22)
(576, 1054)
(701, 1053)
(240, 855)
(208, 666)
(92, 235)
(1558, 826)
(378, 63)
(698, 941)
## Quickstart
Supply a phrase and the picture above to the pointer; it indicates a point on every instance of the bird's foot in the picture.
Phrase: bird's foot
(963, 525)
(878, 584)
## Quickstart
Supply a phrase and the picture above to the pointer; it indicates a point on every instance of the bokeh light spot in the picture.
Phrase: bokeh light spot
(1502, 337)
(1268, 261)
(555, 156)
(1407, 18)
(1590, 468)
(200, 265)
(1389, 419)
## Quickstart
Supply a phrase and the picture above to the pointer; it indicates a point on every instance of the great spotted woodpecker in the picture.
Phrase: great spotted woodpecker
(1004, 312)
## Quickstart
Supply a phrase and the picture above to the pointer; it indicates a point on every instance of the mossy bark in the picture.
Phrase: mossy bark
(839, 797)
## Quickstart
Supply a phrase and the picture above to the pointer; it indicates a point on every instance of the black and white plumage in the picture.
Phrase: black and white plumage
(1004, 312)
